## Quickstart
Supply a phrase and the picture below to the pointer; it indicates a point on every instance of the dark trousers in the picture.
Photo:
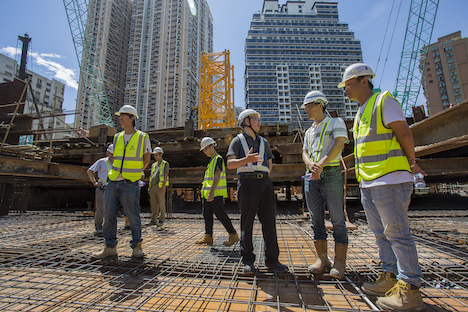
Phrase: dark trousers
(216, 206)
(257, 196)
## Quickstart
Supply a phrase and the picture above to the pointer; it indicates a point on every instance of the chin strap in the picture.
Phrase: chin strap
(243, 124)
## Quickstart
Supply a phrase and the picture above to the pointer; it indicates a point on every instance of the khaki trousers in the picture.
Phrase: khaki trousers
(158, 204)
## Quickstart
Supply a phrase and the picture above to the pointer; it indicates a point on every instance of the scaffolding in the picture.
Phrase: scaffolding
(216, 92)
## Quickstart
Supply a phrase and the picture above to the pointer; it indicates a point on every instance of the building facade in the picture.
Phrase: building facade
(445, 78)
(166, 41)
(48, 96)
(111, 26)
(292, 49)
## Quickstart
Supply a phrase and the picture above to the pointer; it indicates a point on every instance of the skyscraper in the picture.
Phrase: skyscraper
(445, 77)
(166, 41)
(110, 21)
(292, 49)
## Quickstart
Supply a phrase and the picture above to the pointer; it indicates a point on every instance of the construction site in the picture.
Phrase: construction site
(47, 214)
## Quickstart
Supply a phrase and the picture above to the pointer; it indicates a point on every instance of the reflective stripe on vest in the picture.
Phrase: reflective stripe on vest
(221, 188)
(376, 149)
(252, 167)
(162, 166)
(108, 165)
(318, 153)
(128, 160)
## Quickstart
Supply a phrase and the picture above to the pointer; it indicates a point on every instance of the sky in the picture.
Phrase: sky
(53, 53)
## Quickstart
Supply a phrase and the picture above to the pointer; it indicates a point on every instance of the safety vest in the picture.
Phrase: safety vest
(253, 167)
(315, 157)
(128, 160)
(162, 166)
(221, 188)
(376, 149)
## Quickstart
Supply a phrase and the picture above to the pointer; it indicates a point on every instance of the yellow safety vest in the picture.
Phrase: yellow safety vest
(221, 188)
(318, 152)
(376, 149)
(128, 160)
(161, 173)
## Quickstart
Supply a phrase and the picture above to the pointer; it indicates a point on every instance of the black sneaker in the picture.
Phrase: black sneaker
(248, 269)
(277, 267)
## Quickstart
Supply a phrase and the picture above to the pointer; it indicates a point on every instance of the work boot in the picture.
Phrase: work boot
(106, 252)
(322, 264)
(127, 223)
(233, 238)
(277, 267)
(207, 239)
(339, 265)
(402, 297)
(138, 252)
(384, 283)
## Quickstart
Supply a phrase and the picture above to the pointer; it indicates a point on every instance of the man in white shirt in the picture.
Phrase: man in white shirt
(100, 168)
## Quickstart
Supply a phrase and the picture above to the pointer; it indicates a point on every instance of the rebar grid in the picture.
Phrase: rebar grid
(45, 265)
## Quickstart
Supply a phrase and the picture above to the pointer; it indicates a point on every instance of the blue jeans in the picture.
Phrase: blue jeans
(386, 210)
(127, 194)
(327, 192)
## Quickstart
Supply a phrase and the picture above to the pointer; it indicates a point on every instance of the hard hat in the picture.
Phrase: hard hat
(246, 113)
(158, 149)
(357, 70)
(205, 142)
(110, 148)
(314, 97)
(128, 109)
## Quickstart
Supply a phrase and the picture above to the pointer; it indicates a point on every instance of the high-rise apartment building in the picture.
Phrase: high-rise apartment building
(166, 41)
(111, 26)
(48, 95)
(292, 49)
(445, 78)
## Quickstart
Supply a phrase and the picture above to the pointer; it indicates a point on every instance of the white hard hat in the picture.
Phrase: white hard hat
(205, 142)
(158, 149)
(246, 113)
(314, 97)
(357, 70)
(128, 109)
(110, 148)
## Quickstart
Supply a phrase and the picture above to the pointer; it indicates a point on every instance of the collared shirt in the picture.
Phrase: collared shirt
(336, 129)
(101, 168)
(155, 176)
(235, 147)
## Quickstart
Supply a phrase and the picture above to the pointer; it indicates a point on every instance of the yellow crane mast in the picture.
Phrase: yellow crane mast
(216, 92)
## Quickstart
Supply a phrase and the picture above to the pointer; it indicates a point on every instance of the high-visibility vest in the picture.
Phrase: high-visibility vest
(376, 149)
(128, 160)
(162, 166)
(315, 157)
(221, 188)
(253, 167)
(108, 165)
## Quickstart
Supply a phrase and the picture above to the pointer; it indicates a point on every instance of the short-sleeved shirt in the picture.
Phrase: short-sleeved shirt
(100, 167)
(146, 149)
(235, 147)
(391, 112)
(337, 130)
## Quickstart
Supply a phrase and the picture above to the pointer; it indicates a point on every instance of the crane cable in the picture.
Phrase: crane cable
(391, 39)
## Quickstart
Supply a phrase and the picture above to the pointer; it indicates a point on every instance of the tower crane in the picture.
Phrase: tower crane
(79, 19)
(418, 35)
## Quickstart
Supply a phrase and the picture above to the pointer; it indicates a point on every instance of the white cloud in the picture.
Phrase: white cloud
(378, 13)
(60, 72)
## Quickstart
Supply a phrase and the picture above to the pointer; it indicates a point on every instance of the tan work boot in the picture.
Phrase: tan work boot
(402, 298)
(106, 252)
(384, 283)
(323, 263)
(207, 239)
(339, 265)
(138, 252)
(233, 238)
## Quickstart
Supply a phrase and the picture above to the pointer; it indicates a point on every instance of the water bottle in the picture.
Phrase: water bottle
(419, 180)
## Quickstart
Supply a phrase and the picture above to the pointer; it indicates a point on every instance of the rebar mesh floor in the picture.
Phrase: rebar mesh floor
(45, 265)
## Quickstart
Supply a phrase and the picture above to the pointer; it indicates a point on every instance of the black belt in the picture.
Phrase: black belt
(254, 175)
